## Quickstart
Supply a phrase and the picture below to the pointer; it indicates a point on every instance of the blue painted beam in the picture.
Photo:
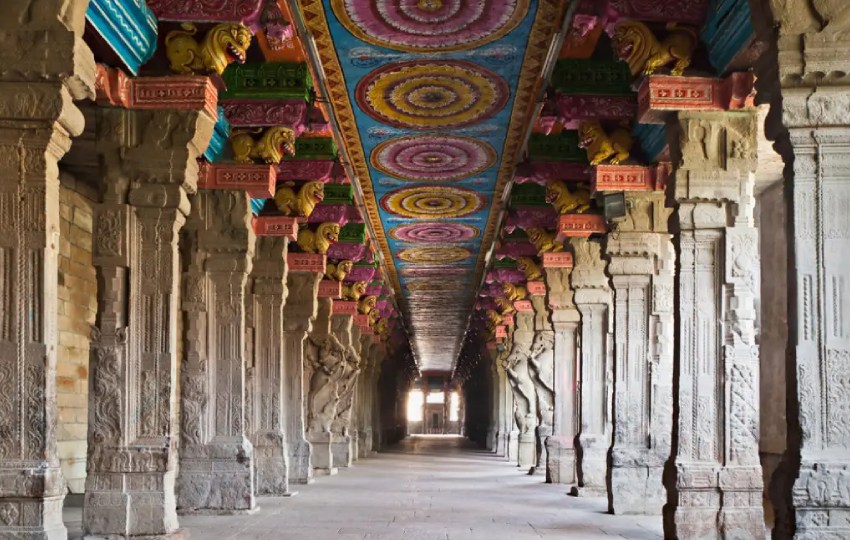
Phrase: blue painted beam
(128, 26)
(653, 139)
(220, 136)
(727, 31)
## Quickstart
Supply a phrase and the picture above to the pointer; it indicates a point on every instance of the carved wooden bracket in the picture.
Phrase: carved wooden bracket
(329, 288)
(508, 319)
(630, 177)
(571, 225)
(258, 181)
(557, 260)
(183, 92)
(660, 95)
(523, 306)
(344, 307)
(306, 262)
(538, 288)
(284, 226)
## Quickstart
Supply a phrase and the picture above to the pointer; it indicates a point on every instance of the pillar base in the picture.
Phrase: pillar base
(637, 490)
(501, 444)
(513, 446)
(342, 448)
(216, 478)
(33, 510)
(592, 465)
(588, 491)
(300, 464)
(364, 446)
(180, 534)
(490, 442)
(526, 451)
(541, 459)
(333, 471)
(321, 451)
(561, 460)
(271, 465)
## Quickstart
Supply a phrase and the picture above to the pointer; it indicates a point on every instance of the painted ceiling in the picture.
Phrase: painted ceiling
(433, 99)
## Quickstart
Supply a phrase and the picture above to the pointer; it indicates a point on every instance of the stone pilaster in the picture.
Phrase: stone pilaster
(717, 475)
(362, 401)
(541, 365)
(149, 161)
(489, 357)
(375, 408)
(561, 466)
(640, 263)
(592, 295)
(264, 408)
(216, 457)
(811, 488)
(298, 315)
(343, 445)
(522, 385)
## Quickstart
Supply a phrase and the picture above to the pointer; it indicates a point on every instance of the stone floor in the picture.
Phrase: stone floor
(429, 487)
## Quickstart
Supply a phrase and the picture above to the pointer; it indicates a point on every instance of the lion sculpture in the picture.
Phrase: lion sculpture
(302, 204)
(339, 270)
(318, 242)
(543, 240)
(566, 201)
(272, 144)
(514, 292)
(601, 146)
(530, 268)
(367, 304)
(505, 306)
(354, 291)
(224, 44)
(637, 45)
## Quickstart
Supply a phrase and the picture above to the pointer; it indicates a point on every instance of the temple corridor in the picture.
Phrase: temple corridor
(428, 487)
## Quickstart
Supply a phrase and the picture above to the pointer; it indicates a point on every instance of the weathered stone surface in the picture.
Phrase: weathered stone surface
(541, 367)
(344, 438)
(522, 385)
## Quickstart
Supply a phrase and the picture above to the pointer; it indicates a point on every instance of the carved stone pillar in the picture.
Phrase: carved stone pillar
(298, 315)
(495, 389)
(216, 457)
(525, 410)
(811, 488)
(641, 267)
(149, 161)
(46, 66)
(717, 476)
(508, 431)
(324, 365)
(375, 412)
(343, 442)
(592, 295)
(541, 364)
(264, 409)
(363, 399)
(560, 447)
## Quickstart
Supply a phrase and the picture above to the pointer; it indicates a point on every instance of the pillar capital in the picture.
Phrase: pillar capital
(302, 304)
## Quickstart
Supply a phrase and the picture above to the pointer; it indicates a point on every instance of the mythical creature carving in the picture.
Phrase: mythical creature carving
(505, 306)
(516, 367)
(382, 328)
(530, 268)
(367, 304)
(273, 143)
(514, 292)
(224, 44)
(601, 146)
(354, 291)
(635, 43)
(339, 270)
(345, 391)
(302, 204)
(374, 316)
(494, 319)
(325, 357)
(543, 240)
(318, 242)
(566, 201)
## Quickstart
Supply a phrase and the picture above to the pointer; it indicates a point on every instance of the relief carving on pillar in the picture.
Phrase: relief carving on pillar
(516, 364)
(325, 356)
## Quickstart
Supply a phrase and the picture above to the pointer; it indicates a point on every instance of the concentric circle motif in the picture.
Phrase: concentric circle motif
(436, 158)
(429, 25)
(432, 271)
(434, 254)
(432, 201)
(418, 285)
(434, 233)
(421, 94)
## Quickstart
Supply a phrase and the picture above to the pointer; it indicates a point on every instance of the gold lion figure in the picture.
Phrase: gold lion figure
(374, 316)
(224, 44)
(530, 268)
(505, 306)
(612, 147)
(338, 271)
(513, 292)
(637, 45)
(566, 201)
(494, 319)
(273, 143)
(544, 241)
(367, 304)
(302, 204)
(382, 328)
(354, 291)
(318, 242)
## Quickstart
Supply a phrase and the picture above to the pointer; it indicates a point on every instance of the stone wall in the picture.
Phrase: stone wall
(76, 311)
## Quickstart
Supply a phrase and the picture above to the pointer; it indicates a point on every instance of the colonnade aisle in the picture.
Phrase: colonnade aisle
(428, 487)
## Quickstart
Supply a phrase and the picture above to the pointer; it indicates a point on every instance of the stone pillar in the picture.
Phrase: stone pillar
(495, 388)
(298, 315)
(508, 431)
(717, 476)
(325, 365)
(560, 447)
(541, 364)
(811, 488)
(149, 161)
(47, 67)
(374, 385)
(264, 409)
(343, 441)
(363, 397)
(216, 457)
(641, 267)
(525, 410)
(592, 295)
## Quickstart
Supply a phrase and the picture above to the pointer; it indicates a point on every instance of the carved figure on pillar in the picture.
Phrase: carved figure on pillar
(541, 365)
(525, 399)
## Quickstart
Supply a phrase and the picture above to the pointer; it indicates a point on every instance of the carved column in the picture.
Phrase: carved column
(541, 365)
(46, 66)
(560, 447)
(717, 476)
(495, 389)
(149, 167)
(375, 410)
(298, 315)
(216, 457)
(811, 489)
(343, 442)
(508, 431)
(641, 267)
(592, 294)
(525, 410)
(264, 409)
(363, 398)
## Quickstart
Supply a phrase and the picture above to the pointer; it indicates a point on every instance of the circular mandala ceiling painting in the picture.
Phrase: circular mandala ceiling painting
(429, 202)
(432, 271)
(434, 254)
(429, 25)
(435, 158)
(420, 94)
(434, 233)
